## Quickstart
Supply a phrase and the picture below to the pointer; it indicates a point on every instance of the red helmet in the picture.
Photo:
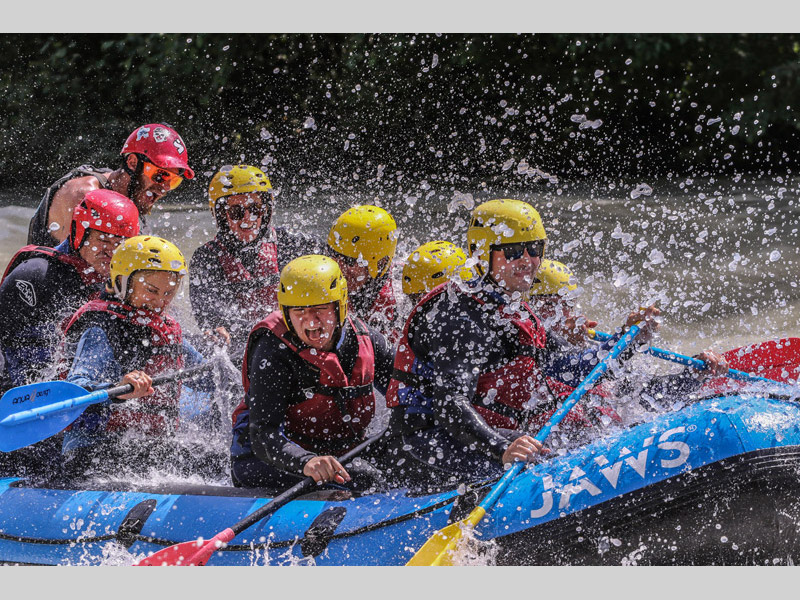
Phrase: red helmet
(161, 145)
(106, 211)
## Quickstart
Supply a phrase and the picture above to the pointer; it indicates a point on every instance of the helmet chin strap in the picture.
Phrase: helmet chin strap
(133, 174)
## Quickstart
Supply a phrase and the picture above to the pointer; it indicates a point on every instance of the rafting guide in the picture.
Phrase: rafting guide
(153, 162)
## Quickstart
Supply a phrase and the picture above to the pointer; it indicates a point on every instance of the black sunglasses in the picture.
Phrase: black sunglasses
(515, 251)
(236, 212)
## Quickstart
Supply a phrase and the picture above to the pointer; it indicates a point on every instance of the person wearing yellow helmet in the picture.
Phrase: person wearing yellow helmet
(471, 364)
(309, 372)
(552, 297)
(363, 240)
(126, 336)
(241, 264)
(431, 265)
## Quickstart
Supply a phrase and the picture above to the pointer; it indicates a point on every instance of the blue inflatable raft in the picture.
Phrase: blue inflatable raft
(715, 483)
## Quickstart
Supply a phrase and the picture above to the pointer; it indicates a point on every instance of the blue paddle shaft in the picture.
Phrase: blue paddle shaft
(695, 363)
(596, 373)
(56, 404)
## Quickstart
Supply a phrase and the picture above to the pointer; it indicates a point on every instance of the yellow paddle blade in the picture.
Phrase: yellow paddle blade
(438, 550)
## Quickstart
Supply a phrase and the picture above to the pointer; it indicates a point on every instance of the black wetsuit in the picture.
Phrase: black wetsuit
(438, 435)
(35, 297)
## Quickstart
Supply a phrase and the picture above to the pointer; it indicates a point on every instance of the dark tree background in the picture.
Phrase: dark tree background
(380, 111)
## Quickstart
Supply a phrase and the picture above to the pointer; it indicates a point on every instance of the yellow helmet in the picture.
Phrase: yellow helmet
(238, 179)
(366, 232)
(498, 222)
(311, 280)
(551, 278)
(431, 264)
(143, 252)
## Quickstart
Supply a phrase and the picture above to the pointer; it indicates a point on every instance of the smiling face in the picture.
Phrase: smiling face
(97, 249)
(244, 213)
(148, 191)
(315, 325)
(514, 275)
(152, 290)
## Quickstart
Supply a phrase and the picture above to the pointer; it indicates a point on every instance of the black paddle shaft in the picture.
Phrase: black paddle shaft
(295, 490)
(165, 378)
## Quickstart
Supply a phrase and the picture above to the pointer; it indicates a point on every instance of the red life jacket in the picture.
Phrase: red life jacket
(88, 275)
(142, 340)
(385, 309)
(502, 391)
(340, 407)
(263, 299)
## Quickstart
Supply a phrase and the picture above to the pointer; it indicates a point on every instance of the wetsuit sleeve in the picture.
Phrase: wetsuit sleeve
(661, 391)
(203, 382)
(384, 360)
(25, 299)
(457, 342)
(272, 385)
(209, 292)
(94, 366)
(573, 367)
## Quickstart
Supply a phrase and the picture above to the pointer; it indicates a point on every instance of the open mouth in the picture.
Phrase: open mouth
(316, 335)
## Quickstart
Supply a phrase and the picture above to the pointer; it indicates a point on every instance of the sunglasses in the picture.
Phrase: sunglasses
(515, 251)
(157, 175)
(237, 211)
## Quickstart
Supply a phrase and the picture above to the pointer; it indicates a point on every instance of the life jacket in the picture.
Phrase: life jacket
(385, 310)
(142, 340)
(38, 230)
(337, 410)
(376, 306)
(502, 390)
(88, 275)
(262, 299)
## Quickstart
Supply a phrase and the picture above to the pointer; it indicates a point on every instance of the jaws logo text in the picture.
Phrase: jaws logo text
(578, 482)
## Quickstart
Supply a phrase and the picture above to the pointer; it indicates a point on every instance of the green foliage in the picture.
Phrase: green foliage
(325, 109)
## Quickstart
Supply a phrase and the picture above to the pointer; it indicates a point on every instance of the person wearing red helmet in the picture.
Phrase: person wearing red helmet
(154, 161)
(43, 286)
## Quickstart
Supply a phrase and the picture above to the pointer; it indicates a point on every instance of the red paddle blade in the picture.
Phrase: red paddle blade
(775, 359)
(773, 356)
(187, 554)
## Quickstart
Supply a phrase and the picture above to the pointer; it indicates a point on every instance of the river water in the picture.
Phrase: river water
(719, 257)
